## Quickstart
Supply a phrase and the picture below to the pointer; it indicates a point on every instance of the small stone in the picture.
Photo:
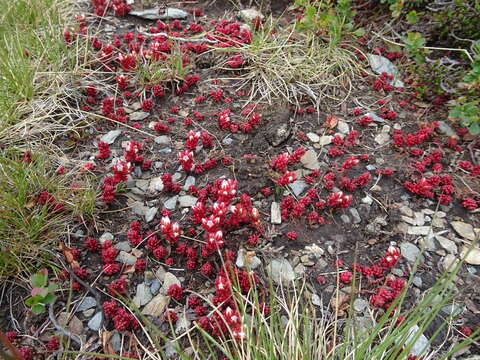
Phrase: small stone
(126, 258)
(138, 208)
(182, 324)
(325, 140)
(74, 324)
(375, 117)
(309, 160)
(449, 262)
(155, 287)
(410, 251)
(298, 187)
(88, 313)
(315, 250)
(187, 201)
(143, 295)
(421, 345)
(275, 213)
(87, 303)
(360, 305)
(419, 230)
(111, 136)
(150, 214)
(316, 300)
(370, 167)
(163, 140)
(299, 270)
(472, 256)
(464, 230)
(445, 129)
(168, 280)
(281, 271)
(142, 184)
(313, 137)
(367, 200)
(345, 219)
(245, 260)
(248, 15)
(382, 138)
(105, 237)
(227, 141)
(139, 116)
(447, 244)
(156, 184)
(123, 245)
(417, 281)
(171, 203)
(343, 127)
(95, 322)
(381, 64)
(165, 151)
(189, 181)
(355, 215)
(160, 14)
(406, 210)
(305, 259)
(453, 310)
(156, 306)
(116, 341)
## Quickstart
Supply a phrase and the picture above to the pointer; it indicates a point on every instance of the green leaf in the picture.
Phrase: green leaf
(52, 287)
(30, 301)
(38, 309)
(412, 17)
(474, 128)
(39, 292)
(359, 32)
(39, 280)
(50, 298)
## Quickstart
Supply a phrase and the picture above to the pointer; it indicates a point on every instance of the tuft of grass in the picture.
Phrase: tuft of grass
(26, 227)
(294, 65)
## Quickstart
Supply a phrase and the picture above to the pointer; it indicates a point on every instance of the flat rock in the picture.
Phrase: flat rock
(139, 115)
(156, 306)
(106, 237)
(87, 303)
(182, 324)
(375, 117)
(275, 213)
(325, 140)
(123, 245)
(449, 262)
(355, 215)
(111, 136)
(380, 64)
(187, 201)
(316, 300)
(464, 230)
(472, 257)
(143, 295)
(298, 187)
(150, 214)
(447, 244)
(95, 321)
(74, 324)
(421, 345)
(168, 280)
(189, 181)
(419, 230)
(281, 271)
(313, 137)
(409, 251)
(156, 184)
(309, 160)
(163, 140)
(248, 15)
(360, 304)
(126, 258)
(244, 260)
(382, 138)
(171, 203)
(343, 127)
(157, 13)
(445, 129)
